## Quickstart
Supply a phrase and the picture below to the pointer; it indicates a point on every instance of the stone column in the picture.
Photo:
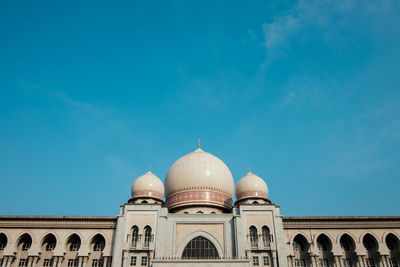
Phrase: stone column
(84, 261)
(273, 254)
(35, 259)
(124, 258)
(8, 262)
(338, 261)
(384, 261)
(313, 261)
(105, 263)
(290, 260)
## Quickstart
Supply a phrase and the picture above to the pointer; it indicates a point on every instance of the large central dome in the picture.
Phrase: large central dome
(199, 178)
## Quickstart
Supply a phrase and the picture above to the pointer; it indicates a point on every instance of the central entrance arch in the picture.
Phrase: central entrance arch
(200, 248)
(200, 245)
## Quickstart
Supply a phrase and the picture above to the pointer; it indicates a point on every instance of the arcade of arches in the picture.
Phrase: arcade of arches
(191, 219)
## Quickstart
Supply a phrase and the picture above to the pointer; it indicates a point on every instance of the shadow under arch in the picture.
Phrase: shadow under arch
(193, 235)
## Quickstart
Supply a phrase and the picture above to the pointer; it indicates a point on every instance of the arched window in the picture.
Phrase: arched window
(253, 236)
(25, 242)
(300, 243)
(266, 236)
(347, 243)
(98, 243)
(74, 242)
(49, 242)
(135, 235)
(147, 236)
(323, 243)
(393, 244)
(3, 241)
(200, 248)
(370, 242)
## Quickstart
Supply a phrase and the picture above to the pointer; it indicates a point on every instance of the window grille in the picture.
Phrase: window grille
(299, 263)
(347, 263)
(255, 261)
(323, 263)
(97, 263)
(99, 245)
(133, 261)
(73, 262)
(75, 243)
(50, 246)
(48, 263)
(147, 236)
(23, 263)
(370, 262)
(135, 236)
(144, 261)
(266, 236)
(266, 260)
(3, 241)
(253, 236)
(26, 245)
(200, 248)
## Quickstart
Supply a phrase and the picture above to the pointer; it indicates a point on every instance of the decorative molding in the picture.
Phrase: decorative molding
(147, 193)
(199, 196)
(251, 194)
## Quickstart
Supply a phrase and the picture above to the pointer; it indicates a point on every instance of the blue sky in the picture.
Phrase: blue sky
(306, 93)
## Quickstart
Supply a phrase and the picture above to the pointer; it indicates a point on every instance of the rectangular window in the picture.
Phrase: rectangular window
(266, 260)
(393, 262)
(97, 263)
(323, 263)
(144, 261)
(50, 246)
(255, 261)
(23, 263)
(73, 262)
(48, 263)
(370, 262)
(133, 261)
(347, 263)
(25, 246)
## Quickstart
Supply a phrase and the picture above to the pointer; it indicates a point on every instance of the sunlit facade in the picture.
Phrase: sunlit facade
(191, 220)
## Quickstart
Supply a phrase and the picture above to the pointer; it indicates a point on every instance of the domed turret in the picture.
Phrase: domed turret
(148, 186)
(251, 186)
(199, 179)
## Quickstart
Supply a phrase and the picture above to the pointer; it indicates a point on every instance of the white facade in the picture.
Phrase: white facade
(198, 225)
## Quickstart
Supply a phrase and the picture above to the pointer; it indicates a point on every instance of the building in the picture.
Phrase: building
(198, 225)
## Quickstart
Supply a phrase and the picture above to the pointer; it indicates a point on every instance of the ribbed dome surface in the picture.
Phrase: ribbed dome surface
(148, 185)
(203, 176)
(251, 185)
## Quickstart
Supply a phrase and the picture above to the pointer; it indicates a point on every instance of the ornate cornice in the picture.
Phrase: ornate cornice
(7, 221)
(200, 196)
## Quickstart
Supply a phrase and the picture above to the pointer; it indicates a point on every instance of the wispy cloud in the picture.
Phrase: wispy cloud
(325, 20)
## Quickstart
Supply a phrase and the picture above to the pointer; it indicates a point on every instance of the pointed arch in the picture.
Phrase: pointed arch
(253, 236)
(193, 235)
(24, 242)
(3, 241)
(135, 235)
(324, 243)
(49, 242)
(266, 235)
(73, 242)
(98, 242)
(147, 236)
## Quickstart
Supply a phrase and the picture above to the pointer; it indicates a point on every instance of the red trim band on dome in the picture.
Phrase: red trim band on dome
(143, 193)
(199, 196)
(250, 194)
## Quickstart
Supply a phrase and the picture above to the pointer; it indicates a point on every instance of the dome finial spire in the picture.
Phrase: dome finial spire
(249, 170)
(198, 144)
(149, 168)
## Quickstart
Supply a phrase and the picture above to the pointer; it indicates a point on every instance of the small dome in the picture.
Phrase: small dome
(148, 185)
(199, 178)
(251, 186)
